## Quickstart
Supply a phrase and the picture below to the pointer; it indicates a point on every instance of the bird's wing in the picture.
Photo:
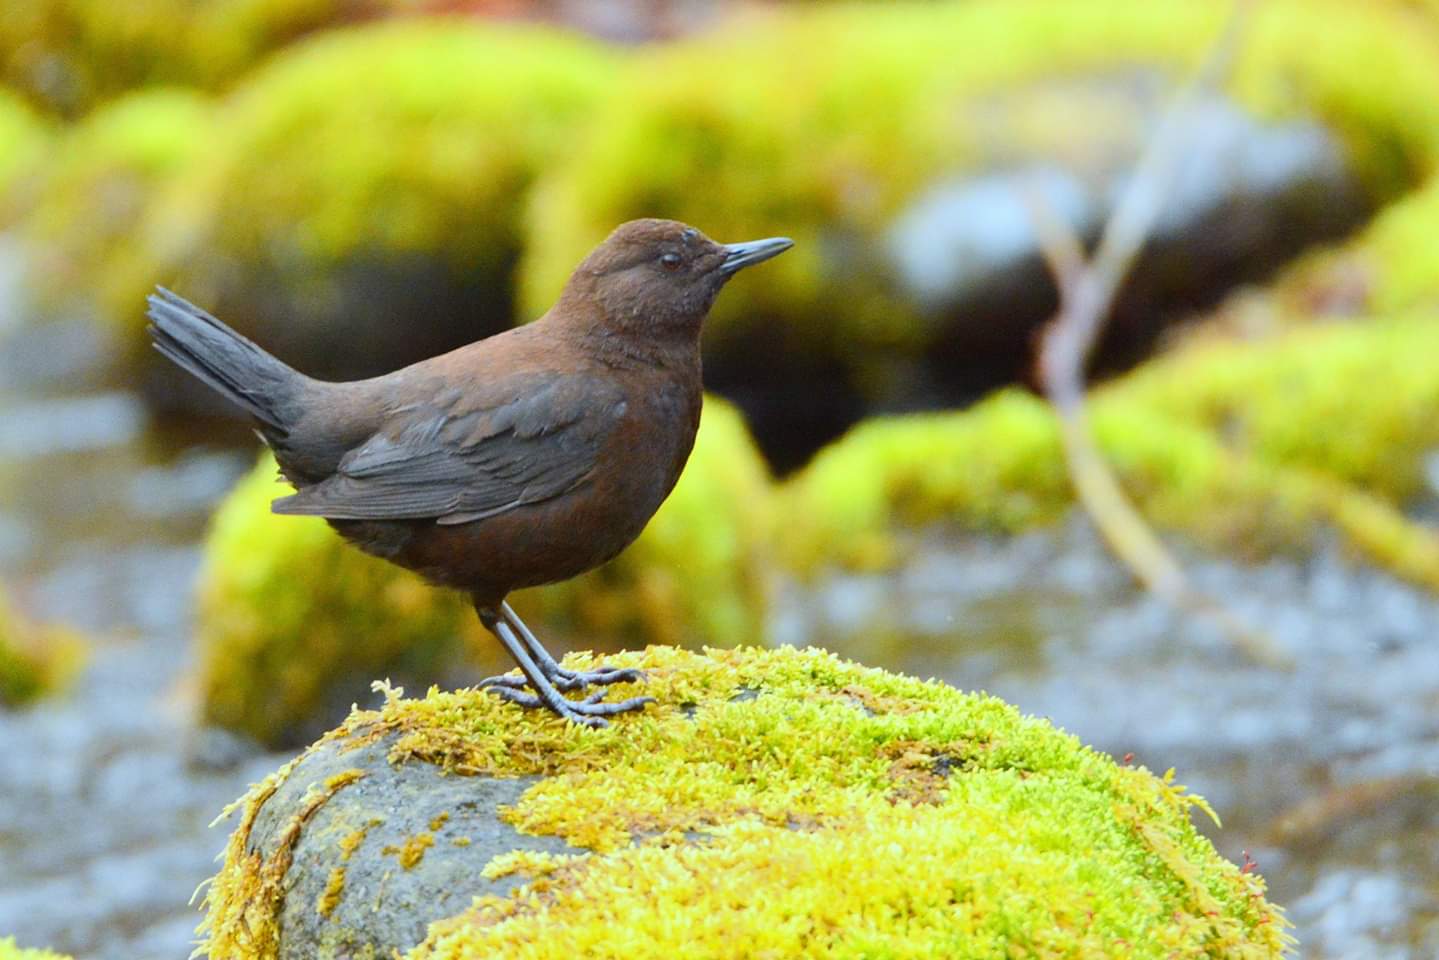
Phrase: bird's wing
(455, 459)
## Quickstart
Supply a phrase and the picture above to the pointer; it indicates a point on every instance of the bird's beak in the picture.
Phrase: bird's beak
(741, 255)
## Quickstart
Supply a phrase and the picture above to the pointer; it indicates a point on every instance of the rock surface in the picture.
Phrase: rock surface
(769, 803)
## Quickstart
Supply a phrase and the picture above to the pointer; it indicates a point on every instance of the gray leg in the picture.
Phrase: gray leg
(561, 677)
(589, 712)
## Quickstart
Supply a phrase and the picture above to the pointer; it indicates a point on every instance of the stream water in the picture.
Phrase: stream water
(1327, 774)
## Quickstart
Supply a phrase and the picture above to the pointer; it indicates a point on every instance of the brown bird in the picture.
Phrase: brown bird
(521, 459)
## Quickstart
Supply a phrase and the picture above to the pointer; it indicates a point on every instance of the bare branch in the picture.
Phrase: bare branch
(1087, 290)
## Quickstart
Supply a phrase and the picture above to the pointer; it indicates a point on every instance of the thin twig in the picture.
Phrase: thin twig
(1087, 290)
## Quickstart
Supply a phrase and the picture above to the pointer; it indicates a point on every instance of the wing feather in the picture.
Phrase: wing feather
(453, 463)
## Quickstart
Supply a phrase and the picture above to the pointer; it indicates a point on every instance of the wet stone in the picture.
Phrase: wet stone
(408, 840)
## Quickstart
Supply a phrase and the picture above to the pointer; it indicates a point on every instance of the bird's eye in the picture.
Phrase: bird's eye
(670, 261)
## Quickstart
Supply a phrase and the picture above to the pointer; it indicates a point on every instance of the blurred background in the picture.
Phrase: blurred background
(358, 184)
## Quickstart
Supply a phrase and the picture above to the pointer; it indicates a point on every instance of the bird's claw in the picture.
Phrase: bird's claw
(589, 712)
(566, 680)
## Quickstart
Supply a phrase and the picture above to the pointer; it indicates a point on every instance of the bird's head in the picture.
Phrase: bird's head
(658, 278)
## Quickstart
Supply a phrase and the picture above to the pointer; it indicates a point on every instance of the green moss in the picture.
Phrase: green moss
(82, 210)
(829, 121)
(785, 822)
(1354, 402)
(23, 138)
(35, 660)
(69, 55)
(290, 617)
(9, 951)
(1393, 265)
(1248, 448)
(289, 613)
(403, 145)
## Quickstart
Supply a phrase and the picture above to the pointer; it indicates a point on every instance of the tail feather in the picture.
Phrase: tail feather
(223, 360)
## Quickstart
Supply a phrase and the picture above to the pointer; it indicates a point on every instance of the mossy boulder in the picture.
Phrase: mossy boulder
(9, 951)
(1247, 448)
(35, 660)
(357, 205)
(1392, 265)
(770, 803)
(23, 139)
(833, 124)
(79, 212)
(294, 624)
(70, 55)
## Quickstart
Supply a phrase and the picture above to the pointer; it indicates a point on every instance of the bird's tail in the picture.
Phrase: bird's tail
(225, 361)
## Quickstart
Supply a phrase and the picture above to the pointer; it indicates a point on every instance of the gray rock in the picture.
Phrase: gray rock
(395, 881)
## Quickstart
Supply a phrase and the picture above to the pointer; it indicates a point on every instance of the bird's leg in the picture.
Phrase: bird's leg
(562, 677)
(589, 712)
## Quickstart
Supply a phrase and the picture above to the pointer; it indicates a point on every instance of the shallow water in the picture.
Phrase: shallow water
(1328, 774)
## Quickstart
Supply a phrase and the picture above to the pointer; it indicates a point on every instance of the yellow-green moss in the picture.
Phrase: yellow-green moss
(1354, 402)
(412, 851)
(71, 54)
(23, 139)
(1246, 447)
(9, 951)
(35, 660)
(287, 610)
(1393, 265)
(401, 141)
(82, 209)
(777, 824)
(829, 121)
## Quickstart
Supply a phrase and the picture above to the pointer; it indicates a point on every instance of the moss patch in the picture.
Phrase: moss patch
(35, 660)
(70, 55)
(759, 807)
(83, 207)
(293, 622)
(831, 120)
(9, 951)
(406, 148)
(1248, 448)
(23, 138)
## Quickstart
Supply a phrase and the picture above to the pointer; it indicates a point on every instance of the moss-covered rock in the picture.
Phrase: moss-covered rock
(35, 660)
(770, 803)
(69, 55)
(356, 207)
(81, 210)
(23, 139)
(9, 951)
(294, 624)
(831, 123)
(1248, 448)
(1392, 265)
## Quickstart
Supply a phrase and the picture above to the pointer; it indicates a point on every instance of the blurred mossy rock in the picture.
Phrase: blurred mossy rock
(1392, 265)
(77, 214)
(24, 136)
(897, 144)
(68, 56)
(10, 951)
(770, 803)
(1247, 448)
(36, 660)
(356, 205)
(294, 623)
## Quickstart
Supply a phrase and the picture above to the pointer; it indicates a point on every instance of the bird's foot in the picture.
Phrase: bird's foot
(589, 712)
(566, 679)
